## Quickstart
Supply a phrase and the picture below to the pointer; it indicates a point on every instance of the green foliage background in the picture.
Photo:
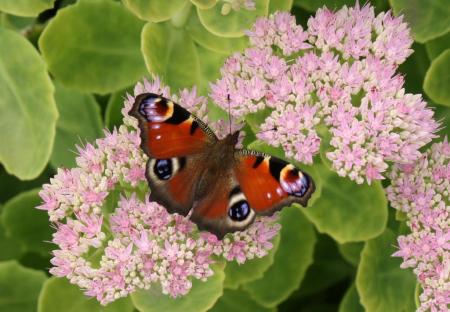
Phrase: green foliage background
(64, 68)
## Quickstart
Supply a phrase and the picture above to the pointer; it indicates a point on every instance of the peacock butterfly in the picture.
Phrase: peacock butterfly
(189, 168)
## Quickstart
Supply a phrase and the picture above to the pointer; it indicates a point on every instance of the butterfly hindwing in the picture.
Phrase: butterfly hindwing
(270, 183)
(257, 184)
(224, 209)
(172, 182)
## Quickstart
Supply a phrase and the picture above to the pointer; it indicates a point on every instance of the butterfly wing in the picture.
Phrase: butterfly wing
(224, 208)
(257, 184)
(172, 181)
(167, 129)
(270, 183)
(174, 140)
(177, 144)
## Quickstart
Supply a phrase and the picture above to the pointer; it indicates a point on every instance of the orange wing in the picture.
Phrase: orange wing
(167, 129)
(270, 183)
(257, 185)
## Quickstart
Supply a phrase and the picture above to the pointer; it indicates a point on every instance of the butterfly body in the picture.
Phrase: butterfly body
(190, 169)
(218, 160)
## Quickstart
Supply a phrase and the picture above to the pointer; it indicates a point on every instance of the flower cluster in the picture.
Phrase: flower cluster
(112, 241)
(422, 191)
(335, 81)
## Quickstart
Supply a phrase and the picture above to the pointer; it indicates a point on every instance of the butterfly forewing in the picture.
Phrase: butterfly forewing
(167, 129)
(270, 183)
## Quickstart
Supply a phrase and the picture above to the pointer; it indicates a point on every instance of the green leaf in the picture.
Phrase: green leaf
(212, 42)
(415, 68)
(417, 292)
(24, 222)
(210, 64)
(204, 4)
(154, 11)
(325, 146)
(292, 259)
(327, 269)
(16, 22)
(280, 5)
(351, 252)
(427, 19)
(113, 113)
(237, 301)
(437, 46)
(27, 106)
(34, 260)
(238, 274)
(234, 23)
(254, 120)
(437, 79)
(79, 122)
(170, 53)
(25, 7)
(10, 185)
(93, 46)
(350, 302)
(11, 247)
(19, 287)
(381, 284)
(201, 297)
(347, 211)
(58, 294)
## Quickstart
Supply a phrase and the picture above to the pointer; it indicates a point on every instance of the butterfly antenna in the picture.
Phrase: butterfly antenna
(229, 111)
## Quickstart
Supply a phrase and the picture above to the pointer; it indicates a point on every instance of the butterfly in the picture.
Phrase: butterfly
(189, 168)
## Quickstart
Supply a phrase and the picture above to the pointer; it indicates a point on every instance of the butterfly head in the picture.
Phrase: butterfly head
(232, 139)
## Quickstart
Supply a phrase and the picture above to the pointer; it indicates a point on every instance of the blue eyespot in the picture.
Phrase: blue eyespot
(163, 168)
(305, 184)
(239, 211)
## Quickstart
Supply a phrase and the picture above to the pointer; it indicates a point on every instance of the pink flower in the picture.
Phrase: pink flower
(338, 76)
(98, 209)
(357, 32)
(170, 251)
(280, 30)
(293, 129)
(121, 254)
(237, 252)
(66, 237)
(143, 243)
(425, 200)
(61, 264)
(135, 174)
